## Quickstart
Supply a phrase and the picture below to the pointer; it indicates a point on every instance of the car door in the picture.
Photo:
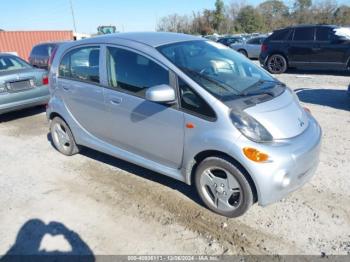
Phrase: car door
(253, 47)
(79, 85)
(152, 130)
(328, 50)
(300, 48)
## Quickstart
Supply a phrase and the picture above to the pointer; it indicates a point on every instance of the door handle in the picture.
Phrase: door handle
(116, 101)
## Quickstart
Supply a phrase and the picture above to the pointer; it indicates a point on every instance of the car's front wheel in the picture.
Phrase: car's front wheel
(62, 137)
(223, 187)
(277, 64)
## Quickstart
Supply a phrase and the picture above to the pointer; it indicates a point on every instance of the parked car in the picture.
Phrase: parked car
(40, 55)
(250, 48)
(188, 108)
(212, 37)
(21, 85)
(227, 41)
(307, 46)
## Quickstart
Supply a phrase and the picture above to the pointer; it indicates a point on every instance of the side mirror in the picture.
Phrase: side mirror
(161, 94)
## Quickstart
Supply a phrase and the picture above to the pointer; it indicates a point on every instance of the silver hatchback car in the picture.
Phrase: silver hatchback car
(188, 108)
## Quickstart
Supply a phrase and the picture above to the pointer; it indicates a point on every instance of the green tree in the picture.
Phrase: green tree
(275, 13)
(219, 14)
(250, 20)
(302, 12)
(302, 4)
(342, 15)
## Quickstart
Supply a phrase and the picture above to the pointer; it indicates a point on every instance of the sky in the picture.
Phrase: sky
(127, 15)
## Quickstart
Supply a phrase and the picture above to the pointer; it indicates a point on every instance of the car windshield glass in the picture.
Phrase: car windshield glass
(218, 69)
(9, 63)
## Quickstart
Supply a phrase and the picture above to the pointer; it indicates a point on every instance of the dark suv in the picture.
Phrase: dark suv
(307, 46)
(40, 55)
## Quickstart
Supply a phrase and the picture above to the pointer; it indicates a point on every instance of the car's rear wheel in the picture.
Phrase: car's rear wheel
(223, 187)
(277, 64)
(243, 52)
(62, 137)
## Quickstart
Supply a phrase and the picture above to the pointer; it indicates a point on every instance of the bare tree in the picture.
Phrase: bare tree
(267, 16)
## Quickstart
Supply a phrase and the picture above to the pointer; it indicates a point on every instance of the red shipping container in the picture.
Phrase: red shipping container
(22, 42)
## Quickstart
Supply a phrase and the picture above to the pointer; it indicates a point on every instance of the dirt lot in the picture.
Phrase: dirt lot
(93, 203)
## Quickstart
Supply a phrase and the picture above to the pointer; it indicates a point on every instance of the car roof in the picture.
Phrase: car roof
(50, 43)
(308, 25)
(7, 54)
(153, 39)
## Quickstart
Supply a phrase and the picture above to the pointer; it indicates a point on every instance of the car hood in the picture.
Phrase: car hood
(282, 116)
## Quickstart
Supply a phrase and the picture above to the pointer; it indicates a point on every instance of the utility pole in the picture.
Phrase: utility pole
(72, 10)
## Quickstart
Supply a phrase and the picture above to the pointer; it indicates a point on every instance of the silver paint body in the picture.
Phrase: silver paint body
(253, 51)
(155, 136)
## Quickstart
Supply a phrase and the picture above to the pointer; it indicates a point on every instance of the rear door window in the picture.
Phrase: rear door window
(254, 41)
(280, 35)
(304, 34)
(81, 64)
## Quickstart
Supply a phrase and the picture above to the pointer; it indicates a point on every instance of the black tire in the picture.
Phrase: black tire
(277, 64)
(246, 195)
(70, 147)
(243, 52)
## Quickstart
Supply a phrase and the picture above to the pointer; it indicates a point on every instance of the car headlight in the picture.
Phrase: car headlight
(250, 128)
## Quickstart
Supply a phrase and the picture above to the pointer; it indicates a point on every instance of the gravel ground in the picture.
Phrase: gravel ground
(95, 204)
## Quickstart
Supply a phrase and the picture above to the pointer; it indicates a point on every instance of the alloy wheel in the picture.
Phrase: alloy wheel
(221, 189)
(61, 137)
(277, 64)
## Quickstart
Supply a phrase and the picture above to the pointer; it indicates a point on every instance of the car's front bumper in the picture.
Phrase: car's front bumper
(24, 99)
(292, 163)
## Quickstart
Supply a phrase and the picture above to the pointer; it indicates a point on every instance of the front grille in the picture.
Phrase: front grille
(19, 85)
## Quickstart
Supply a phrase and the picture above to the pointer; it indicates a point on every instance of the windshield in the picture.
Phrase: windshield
(9, 63)
(218, 69)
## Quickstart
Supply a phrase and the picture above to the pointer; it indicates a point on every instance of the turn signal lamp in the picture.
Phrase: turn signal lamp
(255, 155)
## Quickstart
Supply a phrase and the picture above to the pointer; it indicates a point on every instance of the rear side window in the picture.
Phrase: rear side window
(304, 34)
(280, 35)
(193, 103)
(81, 64)
(133, 72)
(43, 50)
(8, 63)
(254, 41)
(324, 34)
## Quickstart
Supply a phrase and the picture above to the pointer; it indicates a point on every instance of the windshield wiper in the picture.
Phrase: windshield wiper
(257, 90)
(216, 82)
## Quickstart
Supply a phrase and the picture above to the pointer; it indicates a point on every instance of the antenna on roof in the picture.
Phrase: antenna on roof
(72, 10)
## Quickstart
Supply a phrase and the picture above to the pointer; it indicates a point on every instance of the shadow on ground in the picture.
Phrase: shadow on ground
(30, 237)
(183, 188)
(188, 191)
(337, 99)
(318, 72)
(7, 117)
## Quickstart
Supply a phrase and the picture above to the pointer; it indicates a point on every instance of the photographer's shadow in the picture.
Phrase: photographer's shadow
(28, 245)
